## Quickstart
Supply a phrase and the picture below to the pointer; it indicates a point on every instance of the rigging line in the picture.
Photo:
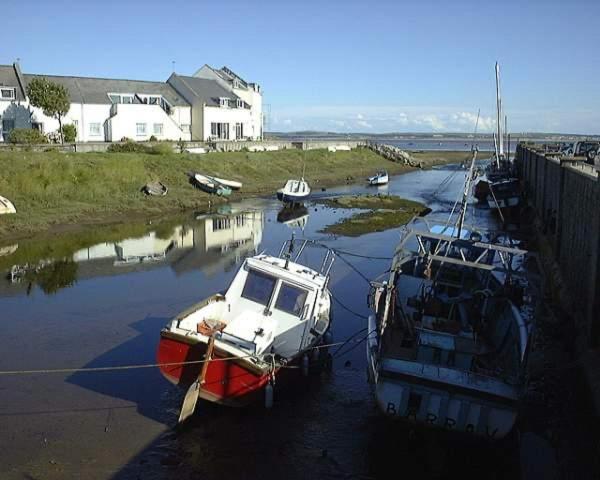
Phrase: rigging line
(348, 340)
(357, 343)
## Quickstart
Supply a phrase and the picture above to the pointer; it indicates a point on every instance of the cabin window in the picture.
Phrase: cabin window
(291, 299)
(259, 287)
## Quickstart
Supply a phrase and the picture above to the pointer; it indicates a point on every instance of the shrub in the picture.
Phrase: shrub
(69, 132)
(181, 145)
(162, 148)
(26, 135)
(128, 147)
(152, 139)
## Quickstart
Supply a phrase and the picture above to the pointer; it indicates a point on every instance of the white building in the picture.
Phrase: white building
(108, 110)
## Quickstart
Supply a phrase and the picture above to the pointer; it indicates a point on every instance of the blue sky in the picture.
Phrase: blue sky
(370, 66)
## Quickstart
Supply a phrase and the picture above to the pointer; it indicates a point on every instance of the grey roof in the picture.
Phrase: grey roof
(96, 90)
(208, 91)
(8, 78)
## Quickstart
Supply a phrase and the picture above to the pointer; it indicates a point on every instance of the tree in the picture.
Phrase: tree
(51, 97)
(69, 133)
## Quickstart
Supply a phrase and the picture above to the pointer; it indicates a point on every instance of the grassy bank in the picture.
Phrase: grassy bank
(54, 190)
(383, 212)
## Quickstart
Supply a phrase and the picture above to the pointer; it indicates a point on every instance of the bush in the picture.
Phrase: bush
(162, 148)
(69, 132)
(27, 136)
(152, 138)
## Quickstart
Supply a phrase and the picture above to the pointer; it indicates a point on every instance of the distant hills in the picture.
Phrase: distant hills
(424, 136)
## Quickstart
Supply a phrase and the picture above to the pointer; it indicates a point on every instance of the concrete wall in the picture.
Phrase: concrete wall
(566, 196)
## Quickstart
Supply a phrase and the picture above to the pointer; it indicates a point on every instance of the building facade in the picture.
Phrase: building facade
(111, 110)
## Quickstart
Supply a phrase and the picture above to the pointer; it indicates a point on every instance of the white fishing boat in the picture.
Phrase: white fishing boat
(294, 191)
(229, 183)
(450, 330)
(380, 178)
(276, 312)
(6, 206)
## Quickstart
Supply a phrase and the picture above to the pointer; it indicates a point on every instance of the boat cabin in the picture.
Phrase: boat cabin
(270, 307)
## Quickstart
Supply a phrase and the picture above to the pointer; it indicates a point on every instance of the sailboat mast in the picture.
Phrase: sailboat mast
(506, 137)
(499, 136)
(465, 197)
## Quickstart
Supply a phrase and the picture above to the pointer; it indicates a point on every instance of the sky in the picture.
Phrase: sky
(339, 65)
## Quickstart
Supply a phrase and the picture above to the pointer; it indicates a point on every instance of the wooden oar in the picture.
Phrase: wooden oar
(191, 396)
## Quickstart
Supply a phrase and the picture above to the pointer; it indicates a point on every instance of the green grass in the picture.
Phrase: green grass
(384, 212)
(53, 189)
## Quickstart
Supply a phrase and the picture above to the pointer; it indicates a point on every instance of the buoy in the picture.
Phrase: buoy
(269, 395)
(305, 365)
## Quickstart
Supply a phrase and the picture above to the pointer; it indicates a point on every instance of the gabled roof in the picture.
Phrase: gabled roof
(95, 90)
(207, 91)
(8, 78)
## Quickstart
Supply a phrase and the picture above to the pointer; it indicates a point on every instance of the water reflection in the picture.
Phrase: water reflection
(211, 242)
(294, 216)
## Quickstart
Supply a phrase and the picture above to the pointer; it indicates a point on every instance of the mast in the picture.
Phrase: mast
(506, 137)
(469, 179)
(499, 136)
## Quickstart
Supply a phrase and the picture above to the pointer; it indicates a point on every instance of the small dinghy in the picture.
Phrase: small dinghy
(229, 183)
(294, 191)
(209, 184)
(6, 206)
(380, 178)
(275, 313)
(155, 188)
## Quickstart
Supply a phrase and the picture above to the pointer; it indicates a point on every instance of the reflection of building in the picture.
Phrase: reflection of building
(209, 245)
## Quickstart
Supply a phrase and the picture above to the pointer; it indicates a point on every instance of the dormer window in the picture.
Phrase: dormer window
(8, 93)
(240, 103)
(223, 102)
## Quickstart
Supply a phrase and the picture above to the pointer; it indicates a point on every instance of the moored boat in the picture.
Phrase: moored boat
(273, 314)
(449, 342)
(209, 184)
(380, 178)
(294, 191)
(6, 206)
(155, 188)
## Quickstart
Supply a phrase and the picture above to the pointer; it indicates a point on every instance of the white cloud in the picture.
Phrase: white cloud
(287, 121)
(362, 123)
(360, 116)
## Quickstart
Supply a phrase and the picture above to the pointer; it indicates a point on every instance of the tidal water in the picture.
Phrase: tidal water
(100, 300)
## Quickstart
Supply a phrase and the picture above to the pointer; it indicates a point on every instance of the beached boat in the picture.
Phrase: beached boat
(209, 184)
(155, 188)
(294, 191)
(380, 178)
(274, 313)
(6, 206)
(449, 342)
(229, 183)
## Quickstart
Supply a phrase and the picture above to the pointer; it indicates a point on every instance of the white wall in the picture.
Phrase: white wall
(124, 123)
(254, 99)
(227, 115)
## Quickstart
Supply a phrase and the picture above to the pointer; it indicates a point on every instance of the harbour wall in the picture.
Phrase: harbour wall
(565, 193)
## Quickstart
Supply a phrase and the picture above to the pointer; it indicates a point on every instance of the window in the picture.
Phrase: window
(223, 102)
(239, 131)
(240, 103)
(158, 129)
(291, 299)
(8, 93)
(185, 128)
(94, 129)
(259, 287)
(114, 98)
(140, 129)
(154, 100)
(127, 98)
(221, 223)
(219, 130)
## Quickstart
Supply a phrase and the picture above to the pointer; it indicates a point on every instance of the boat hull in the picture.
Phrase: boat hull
(289, 198)
(231, 382)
